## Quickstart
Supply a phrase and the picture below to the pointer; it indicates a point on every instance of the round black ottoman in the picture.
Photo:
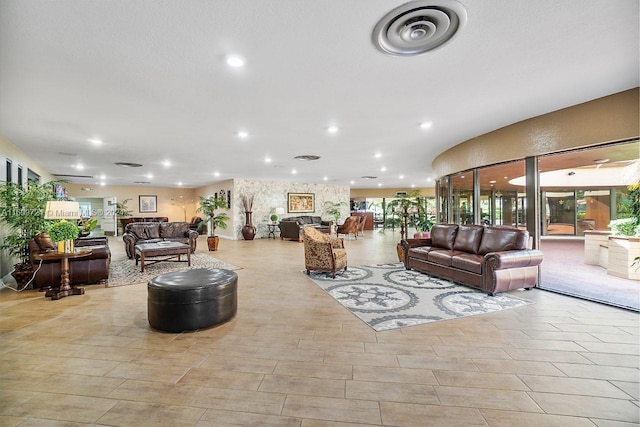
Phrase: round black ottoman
(191, 299)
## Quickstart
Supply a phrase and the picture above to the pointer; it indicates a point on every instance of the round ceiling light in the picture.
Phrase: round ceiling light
(418, 26)
(307, 157)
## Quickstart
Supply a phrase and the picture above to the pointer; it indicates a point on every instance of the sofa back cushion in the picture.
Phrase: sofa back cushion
(496, 239)
(173, 229)
(443, 235)
(468, 238)
(143, 230)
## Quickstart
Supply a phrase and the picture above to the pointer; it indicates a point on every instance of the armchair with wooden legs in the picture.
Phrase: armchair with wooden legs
(323, 252)
(349, 226)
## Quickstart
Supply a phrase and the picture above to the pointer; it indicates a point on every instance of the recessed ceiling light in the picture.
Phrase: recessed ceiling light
(216, 174)
(425, 125)
(600, 161)
(102, 183)
(429, 179)
(462, 176)
(326, 178)
(79, 166)
(243, 134)
(377, 155)
(235, 61)
(95, 141)
(352, 182)
(332, 129)
(493, 181)
(383, 169)
(166, 163)
(267, 159)
(413, 186)
(379, 184)
(102, 177)
(149, 176)
(180, 184)
(401, 176)
(293, 171)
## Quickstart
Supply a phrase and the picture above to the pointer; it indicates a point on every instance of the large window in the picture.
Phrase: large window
(502, 200)
(462, 197)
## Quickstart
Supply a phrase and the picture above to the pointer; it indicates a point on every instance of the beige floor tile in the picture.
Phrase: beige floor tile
(325, 408)
(154, 392)
(394, 375)
(598, 372)
(82, 385)
(362, 359)
(148, 372)
(391, 392)
(117, 354)
(328, 345)
(509, 418)
(323, 423)
(82, 409)
(143, 414)
(586, 406)
(240, 364)
(314, 370)
(579, 386)
(546, 355)
(615, 348)
(169, 358)
(303, 386)
(216, 418)
(435, 362)
(240, 400)
(518, 367)
(77, 365)
(221, 379)
(419, 349)
(631, 388)
(480, 380)
(608, 359)
(412, 415)
(486, 398)
(469, 352)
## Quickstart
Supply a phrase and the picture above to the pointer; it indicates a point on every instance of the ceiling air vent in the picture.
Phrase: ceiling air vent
(418, 26)
(369, 177)
(307, 157)
(59, 175)
(128, 165)
(142, 182)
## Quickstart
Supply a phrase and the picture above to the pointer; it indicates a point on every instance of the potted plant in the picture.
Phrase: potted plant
(208, 206)
(334, 210)
(122, 211)
(423, 223)
(64, 233)
(22, 210)
(87, 225)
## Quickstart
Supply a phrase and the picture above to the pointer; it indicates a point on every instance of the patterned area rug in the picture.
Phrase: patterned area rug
(386, 296)
(126, 272)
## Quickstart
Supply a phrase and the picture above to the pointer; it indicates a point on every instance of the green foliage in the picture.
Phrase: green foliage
(625, 227)
(89, 224)
(22, 210)
(63, 230)
(334, 210)
(208, 206)
(273, 217)
(122, 209)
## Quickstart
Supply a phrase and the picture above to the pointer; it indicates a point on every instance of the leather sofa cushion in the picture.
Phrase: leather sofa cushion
(144, 230)
(468, 262)
(439, 256)
(495, 239)
(420, 252)
(44, 242)
(170, 230)
(443, 235)
(468, 238)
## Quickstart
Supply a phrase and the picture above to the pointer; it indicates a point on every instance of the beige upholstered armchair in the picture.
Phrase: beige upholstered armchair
(323, 252)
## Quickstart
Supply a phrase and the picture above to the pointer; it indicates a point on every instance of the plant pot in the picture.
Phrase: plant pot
(212, 242)
(22, 273)
(400, 251)
(248, 231)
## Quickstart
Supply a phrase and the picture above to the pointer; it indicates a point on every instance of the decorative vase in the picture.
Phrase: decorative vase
(65, 246)
(400, 251)
(212, 242)
(248, 231)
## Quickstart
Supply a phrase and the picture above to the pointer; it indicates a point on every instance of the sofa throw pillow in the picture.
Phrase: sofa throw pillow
(173, 229)
(443, 235)
(44, 242)
(468, 238)
(496, 239)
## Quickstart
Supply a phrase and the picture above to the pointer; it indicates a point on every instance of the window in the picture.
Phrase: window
(20, 175)
(9, 176)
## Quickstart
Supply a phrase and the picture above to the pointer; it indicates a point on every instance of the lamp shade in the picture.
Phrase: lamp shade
(60, 209)
(280, 211)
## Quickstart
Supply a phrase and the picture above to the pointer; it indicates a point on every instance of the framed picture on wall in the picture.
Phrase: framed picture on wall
(301, 202)
(148, 204)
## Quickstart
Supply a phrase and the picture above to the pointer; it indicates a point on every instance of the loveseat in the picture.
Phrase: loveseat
(291, 228)
(492, 259)
(152, 232)
(91, 269)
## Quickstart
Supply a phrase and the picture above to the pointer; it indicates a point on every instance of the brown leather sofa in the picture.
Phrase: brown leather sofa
(151, 232)
(291, 228)
(91, 269)
(130, 219)
(492, 259)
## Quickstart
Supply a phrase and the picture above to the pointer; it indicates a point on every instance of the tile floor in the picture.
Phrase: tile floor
(294, 357)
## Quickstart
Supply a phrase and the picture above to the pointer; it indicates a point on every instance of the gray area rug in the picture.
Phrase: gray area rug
(126, 272)
(386, 296)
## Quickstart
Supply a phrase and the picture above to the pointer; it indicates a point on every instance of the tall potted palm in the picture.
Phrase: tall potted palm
(22, 211)
(208, 206)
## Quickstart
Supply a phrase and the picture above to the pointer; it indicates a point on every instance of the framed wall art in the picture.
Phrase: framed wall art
(148, 204)
(301, 202)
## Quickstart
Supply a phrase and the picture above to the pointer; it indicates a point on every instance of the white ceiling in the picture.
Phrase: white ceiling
(148, 77)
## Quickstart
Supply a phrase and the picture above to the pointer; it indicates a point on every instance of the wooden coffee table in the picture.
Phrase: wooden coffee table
(167, 250)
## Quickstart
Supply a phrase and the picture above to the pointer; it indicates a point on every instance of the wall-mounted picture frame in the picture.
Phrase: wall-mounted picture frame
(148, 204)
(301, 202)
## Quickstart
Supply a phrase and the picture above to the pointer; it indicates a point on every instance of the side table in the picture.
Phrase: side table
(272, 230)
(65, 288)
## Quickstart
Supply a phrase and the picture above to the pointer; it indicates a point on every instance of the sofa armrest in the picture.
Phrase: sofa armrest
(513, 259)
(414, 243)
(130, 241)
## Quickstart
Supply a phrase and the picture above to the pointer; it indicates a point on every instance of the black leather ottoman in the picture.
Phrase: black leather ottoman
(191, 299)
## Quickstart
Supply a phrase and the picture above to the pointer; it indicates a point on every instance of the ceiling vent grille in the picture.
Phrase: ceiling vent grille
(418, 26)
(60, 175)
